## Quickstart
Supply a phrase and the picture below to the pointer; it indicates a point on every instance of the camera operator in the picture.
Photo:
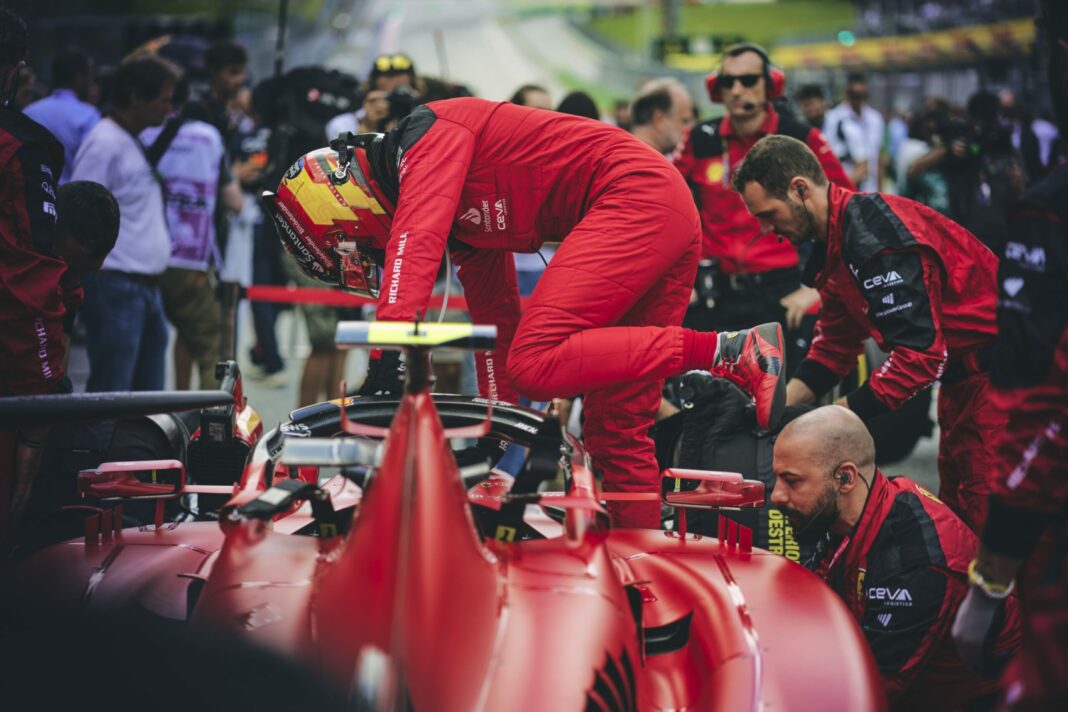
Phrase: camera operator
(983, 172)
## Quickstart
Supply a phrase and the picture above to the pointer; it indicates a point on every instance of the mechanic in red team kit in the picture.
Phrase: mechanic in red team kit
(484, 179)
(743, 279)
(895, 554)
(1026, 534)
(31, 297)
(922, 286)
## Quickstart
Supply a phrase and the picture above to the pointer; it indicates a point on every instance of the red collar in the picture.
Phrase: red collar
(837, 197)
(770, 125)
(854, 546)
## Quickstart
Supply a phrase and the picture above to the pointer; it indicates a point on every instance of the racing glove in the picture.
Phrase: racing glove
(385, 374)
(976, 627)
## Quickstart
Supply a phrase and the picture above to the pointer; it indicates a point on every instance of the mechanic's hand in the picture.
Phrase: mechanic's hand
(974, 631)
(385, 374)
(797, 304)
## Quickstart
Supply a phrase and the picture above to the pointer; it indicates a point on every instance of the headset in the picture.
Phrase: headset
(774, 78)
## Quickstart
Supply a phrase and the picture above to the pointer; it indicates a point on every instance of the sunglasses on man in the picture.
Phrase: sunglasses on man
(726, 81)
(395, 63)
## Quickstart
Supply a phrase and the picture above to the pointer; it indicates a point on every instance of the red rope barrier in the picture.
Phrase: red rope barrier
(336, 298)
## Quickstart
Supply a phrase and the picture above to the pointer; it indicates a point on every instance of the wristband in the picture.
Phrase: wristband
(995, 591)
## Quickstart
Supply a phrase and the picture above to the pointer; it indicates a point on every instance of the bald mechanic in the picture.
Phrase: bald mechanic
(481, 180)
(895, 554)
(918, 283)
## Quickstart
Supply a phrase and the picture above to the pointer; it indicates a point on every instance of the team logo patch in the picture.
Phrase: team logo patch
(927, 493)
(1013, 285)
(714, 172)
(889, 279)
(884, 618)
(472, 215)
(900, 597)
(295, 430)
(295, 169)
(1032, 258)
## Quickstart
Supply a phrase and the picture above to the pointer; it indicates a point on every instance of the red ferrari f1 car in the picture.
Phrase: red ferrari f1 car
(356, 543)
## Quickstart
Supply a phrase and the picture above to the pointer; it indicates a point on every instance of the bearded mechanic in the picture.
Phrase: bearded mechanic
(893, 552)
(919, 284)
(483, 179)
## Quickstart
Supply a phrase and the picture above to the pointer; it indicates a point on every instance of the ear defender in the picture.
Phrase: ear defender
(774, 78)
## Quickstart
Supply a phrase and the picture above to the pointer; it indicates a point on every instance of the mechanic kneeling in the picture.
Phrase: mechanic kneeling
(897, 556)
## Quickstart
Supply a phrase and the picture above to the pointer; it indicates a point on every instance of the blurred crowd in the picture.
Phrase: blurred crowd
(181, 144)
(187, 115)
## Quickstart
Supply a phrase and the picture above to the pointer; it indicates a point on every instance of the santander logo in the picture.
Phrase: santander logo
(473, 215)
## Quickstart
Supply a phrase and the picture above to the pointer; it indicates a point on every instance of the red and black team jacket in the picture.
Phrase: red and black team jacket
(1030, 369)
(31, 296)
(903, 574)
(918, 283)
(485, 179)
(709, 155)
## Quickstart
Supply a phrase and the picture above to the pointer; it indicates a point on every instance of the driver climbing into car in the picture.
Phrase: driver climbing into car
(482, 180)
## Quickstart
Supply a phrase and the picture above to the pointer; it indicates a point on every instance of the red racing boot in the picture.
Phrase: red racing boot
(753, 359)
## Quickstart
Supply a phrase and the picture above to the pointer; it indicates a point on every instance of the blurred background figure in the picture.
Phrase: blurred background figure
(532, 95)
(661, 113)
(123, 312)
(68, 112)
(190, 158)
(1037, 140)
(579, 103)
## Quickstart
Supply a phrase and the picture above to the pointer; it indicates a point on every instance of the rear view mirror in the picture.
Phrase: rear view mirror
(714, 490)
(143, 479)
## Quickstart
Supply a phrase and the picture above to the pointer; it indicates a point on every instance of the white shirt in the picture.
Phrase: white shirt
(190, 170)
(342, 123)
(846, 140)
(871, 127)
(110, 156)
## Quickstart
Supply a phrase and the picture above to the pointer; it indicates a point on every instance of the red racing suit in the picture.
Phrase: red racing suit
(731, 235)
(31, 297)
(903, 573)
(487, 179)
(924, 288)
(1030, 379)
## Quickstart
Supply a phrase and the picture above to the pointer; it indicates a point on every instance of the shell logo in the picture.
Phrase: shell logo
(714, 172)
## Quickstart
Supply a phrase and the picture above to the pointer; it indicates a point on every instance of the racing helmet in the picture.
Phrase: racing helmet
(333, 218)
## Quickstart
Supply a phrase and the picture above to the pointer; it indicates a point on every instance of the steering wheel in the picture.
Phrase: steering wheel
(532, 429)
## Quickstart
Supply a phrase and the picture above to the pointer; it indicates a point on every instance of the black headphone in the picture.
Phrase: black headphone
(843, 479)
(801, 191)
